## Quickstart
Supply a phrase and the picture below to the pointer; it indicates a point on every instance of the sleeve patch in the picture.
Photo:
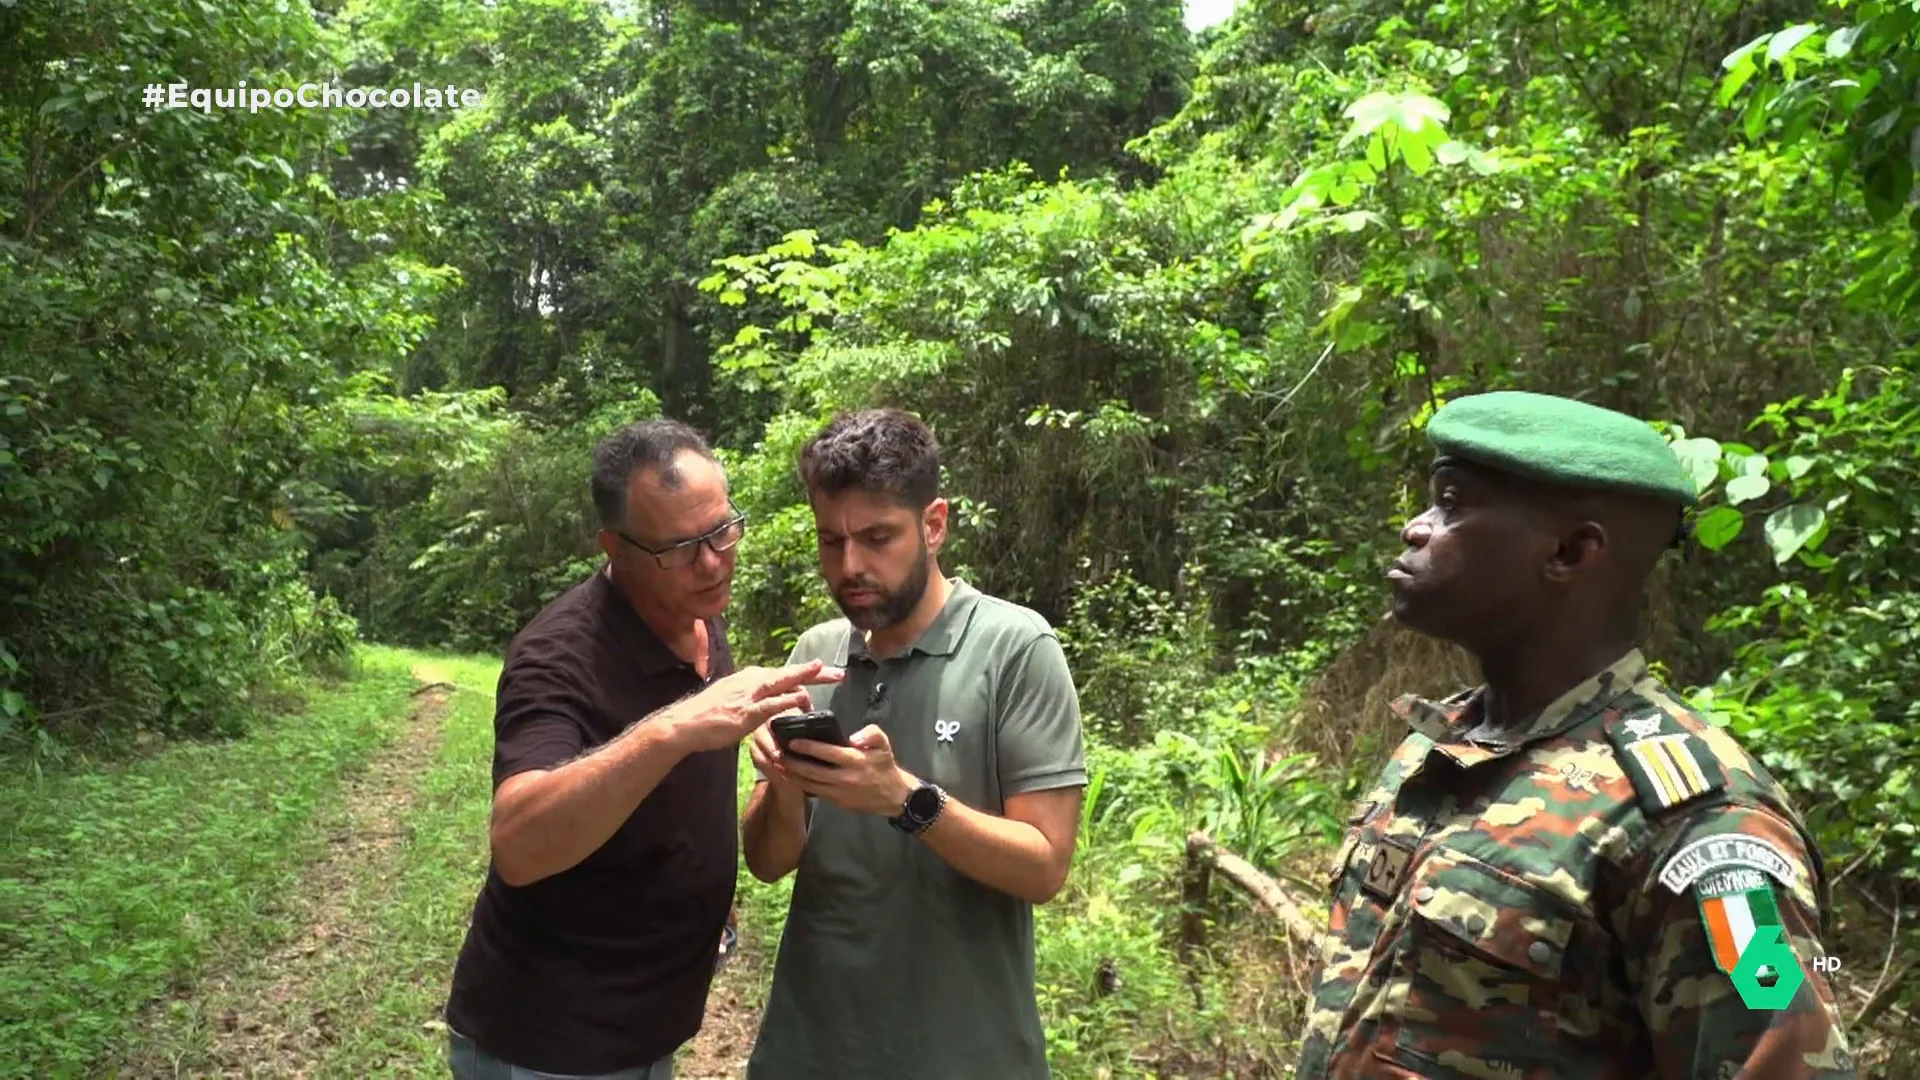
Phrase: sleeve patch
(1733, 861)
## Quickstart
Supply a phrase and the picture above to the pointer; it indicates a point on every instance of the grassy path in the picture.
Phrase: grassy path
(356, 988)
(282, 1011)
(352, 982)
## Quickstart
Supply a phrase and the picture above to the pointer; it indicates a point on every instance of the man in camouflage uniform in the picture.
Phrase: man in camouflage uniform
(1558, 873)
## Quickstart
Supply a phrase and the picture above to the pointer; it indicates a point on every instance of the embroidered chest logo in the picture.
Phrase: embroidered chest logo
(945, 730)
(1577, 775)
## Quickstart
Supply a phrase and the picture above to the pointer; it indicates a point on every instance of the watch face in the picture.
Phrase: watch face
(923, 803)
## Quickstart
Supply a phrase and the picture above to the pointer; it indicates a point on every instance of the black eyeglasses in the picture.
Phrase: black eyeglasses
(675, 556)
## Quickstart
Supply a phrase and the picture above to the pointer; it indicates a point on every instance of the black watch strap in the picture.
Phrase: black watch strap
(921, 810)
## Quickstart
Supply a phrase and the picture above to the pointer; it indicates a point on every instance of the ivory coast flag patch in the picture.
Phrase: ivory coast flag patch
(1733, 904)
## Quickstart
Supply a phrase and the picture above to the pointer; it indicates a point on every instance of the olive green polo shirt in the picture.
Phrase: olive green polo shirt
(893, 964)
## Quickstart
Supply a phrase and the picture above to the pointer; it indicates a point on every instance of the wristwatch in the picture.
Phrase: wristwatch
(921, 809)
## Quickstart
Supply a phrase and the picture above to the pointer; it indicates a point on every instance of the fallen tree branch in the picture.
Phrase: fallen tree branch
(1193, 894)
(64, 713)
(1266, 891)
(1893, 942)
(1881, 1000)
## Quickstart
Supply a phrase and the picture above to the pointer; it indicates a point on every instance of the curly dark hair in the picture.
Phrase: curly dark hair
(647, 444)
(886, 452)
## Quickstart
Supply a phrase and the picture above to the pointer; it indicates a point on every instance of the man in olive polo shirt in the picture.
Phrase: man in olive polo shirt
(922, 848)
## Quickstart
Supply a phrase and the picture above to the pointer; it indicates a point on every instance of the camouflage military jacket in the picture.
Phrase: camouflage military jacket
(1572, 905)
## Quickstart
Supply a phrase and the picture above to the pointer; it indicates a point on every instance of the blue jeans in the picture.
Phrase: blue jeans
(469, 1062)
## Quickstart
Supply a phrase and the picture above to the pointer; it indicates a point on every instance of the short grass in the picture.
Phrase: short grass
(118, 882)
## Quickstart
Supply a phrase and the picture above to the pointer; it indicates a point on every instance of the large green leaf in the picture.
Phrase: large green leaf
(1419, 112)
(1785, 41)
(1412, 113)
(1416, 152)
(1717, 527)
(1888, 181)
(1367, 114)
(1355, 220)
(1701, 458)
(1738, 77)
(1744, 54)
(1789, 528)
(1747, 487)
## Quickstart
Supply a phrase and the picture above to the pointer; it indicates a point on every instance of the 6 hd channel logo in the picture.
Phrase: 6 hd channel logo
(1743, 923)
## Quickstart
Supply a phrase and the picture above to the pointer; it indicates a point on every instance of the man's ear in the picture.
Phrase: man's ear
(609, 544)
(1582, 549)
(933, 524)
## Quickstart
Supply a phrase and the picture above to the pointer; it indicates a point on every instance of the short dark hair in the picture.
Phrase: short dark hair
(647, 444)
(882, 451)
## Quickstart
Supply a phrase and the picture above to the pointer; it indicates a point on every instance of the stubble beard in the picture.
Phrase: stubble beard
(895, 606)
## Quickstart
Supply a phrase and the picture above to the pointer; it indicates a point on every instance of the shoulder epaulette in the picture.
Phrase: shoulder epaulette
(1668, 764)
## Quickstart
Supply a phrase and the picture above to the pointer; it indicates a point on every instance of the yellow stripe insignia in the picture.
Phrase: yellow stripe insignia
(1669, 763)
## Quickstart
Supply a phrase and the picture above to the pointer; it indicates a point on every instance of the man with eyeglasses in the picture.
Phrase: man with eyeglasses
(617, 726)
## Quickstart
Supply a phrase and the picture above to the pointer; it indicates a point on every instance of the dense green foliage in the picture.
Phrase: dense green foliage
(177, 333)
(206, 312)
(1177, 308)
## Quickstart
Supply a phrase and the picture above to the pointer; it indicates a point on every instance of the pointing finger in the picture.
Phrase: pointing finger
(767, 708)
(793, 676)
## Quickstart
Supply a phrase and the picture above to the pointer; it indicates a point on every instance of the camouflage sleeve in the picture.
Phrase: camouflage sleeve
(1713, 890)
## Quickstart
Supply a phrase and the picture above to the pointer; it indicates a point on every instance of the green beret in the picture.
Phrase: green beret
(1560, 441)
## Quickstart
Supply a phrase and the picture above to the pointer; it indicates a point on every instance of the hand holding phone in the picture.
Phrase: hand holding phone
(818, 726)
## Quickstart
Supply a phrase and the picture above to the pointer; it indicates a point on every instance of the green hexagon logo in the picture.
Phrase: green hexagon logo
(1767, 949)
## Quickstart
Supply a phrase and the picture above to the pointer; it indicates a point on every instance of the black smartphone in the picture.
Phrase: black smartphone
(819, 726)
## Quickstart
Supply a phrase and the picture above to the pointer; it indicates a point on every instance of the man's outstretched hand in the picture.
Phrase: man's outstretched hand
(731, 708)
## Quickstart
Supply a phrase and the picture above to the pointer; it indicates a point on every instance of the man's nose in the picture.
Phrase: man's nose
(1417, 532)
(853, 562)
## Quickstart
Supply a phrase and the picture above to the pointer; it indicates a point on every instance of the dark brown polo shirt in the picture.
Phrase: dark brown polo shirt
(604, 966)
